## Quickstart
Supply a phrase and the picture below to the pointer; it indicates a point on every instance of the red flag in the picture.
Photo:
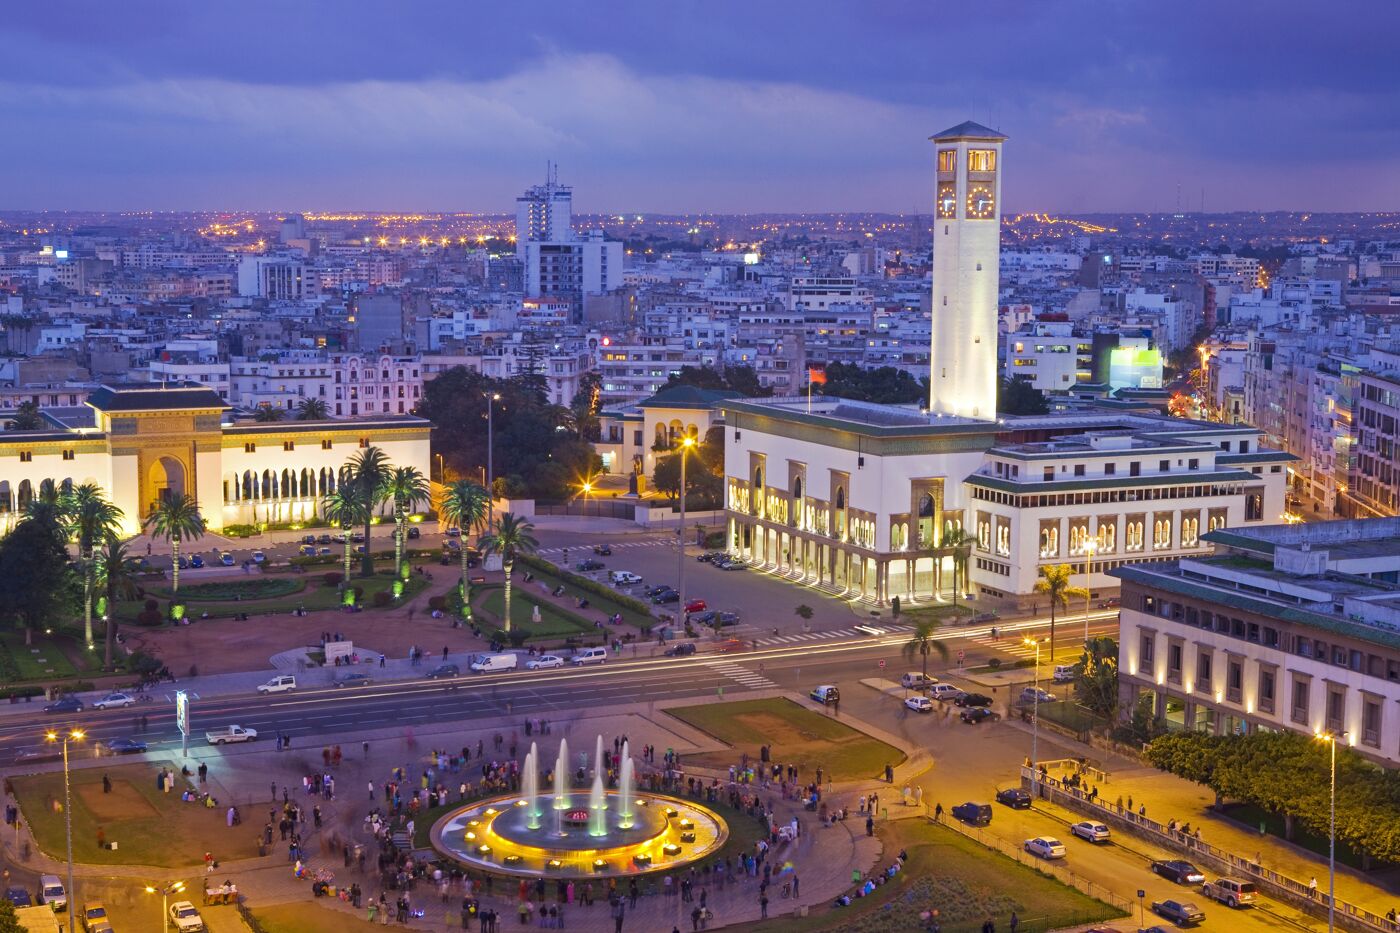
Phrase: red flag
(816, 375)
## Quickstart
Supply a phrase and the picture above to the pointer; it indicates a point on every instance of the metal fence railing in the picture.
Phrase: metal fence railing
(1280, 886)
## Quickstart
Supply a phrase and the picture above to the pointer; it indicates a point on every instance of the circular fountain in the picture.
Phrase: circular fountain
(569, 833)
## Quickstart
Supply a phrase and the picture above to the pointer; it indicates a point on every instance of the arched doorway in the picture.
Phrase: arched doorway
(165, 479)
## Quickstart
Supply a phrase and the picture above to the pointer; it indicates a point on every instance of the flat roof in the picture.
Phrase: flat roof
(1036, 486)
(861, 417)
(155, 396)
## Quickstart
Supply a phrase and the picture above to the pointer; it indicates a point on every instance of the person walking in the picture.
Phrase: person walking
(763, 907)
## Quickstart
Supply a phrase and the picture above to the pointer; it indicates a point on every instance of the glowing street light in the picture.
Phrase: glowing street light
(165, 890)
(1035, 717)
(73, 735)
(1331, 740)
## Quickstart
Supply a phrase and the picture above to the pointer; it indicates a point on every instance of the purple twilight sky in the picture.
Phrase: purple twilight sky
(777, 105)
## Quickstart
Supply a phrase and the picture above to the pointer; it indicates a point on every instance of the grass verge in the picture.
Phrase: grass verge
(310, 917)
(965, 882)
(554, 621)
(48, 658)
(149, 827)
(795, 734)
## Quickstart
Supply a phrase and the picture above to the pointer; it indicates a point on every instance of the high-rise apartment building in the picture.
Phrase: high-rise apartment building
(557, 262)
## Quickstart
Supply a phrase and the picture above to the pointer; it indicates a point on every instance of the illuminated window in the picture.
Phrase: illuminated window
(947, 160)
(981, 160)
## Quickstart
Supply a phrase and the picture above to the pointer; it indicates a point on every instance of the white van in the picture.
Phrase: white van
(51, 893)
(493, 662)
(624, 578)
(916, 681)
(284, 683)
(1064, 673)
(590, 656)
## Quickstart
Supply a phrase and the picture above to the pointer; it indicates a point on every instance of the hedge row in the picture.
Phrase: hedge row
(584, 583)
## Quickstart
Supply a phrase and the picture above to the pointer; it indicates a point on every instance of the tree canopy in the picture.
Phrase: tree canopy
(1019, 397)
(37, 585)
(883, 385)
(742, 379)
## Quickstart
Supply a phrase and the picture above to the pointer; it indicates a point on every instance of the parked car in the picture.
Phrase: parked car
(114, 701)
(1014, 797)
(196, 562)
(658, 588)
(972, 699)
(623, 578)
(914, 680)
(1111, 603)
(323, 552)
(282, 683)
(589, 565)
(452, 544)
(1182, 913)
(602, 550)
(65, 704)
(666, 596)
(95, 918)
(826, 694)
(1181, 872)
(19, 897)
(324, 539)
(589, 656)
(919, 703)
(1230, 892)
(696, 605)
(414, 532)
(943, 692)
(681, 650)
(712, 557)
(978, 814)
(126, 747)
(227, 559)
(1032, 694)
(53, 893)
(308, 539)
(454, 532)
(1046, 847)
(731, 565)
(353, 679)
(185, 918)
(259, 557)
(307, 550)
(543, 662)
(1064, 673)
(1090, 831)
(978, 714)
(444, 671)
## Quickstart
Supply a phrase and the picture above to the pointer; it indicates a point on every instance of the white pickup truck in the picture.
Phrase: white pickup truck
(230, 734)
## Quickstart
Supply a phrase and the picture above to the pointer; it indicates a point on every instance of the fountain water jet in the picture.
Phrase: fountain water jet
(530, 781)
(598, 808)
(624, 790)
(561, 777)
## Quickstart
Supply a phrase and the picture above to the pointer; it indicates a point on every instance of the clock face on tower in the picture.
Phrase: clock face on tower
(947, 201)
(980, 202)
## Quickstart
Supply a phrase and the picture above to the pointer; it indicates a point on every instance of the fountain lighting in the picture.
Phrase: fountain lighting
(671, 848)
(561, 777)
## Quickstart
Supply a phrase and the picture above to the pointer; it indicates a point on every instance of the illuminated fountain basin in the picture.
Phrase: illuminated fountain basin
(664, 832)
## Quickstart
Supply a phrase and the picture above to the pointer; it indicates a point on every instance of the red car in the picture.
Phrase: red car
(696, 605)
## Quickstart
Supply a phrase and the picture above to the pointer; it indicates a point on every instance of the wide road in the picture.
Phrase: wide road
(791, 662)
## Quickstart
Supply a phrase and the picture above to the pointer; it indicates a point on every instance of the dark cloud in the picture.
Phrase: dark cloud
(786, 105)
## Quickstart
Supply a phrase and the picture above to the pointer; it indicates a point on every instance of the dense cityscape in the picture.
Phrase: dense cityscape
(1012, 563)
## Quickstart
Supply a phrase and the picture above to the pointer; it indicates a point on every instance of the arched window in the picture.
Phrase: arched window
(6, 505)
(925, 528)
(267, 492)
(247, 485)
(26, 495)
(841, 512)
(797, 516)
(756, 505)
(661, 436)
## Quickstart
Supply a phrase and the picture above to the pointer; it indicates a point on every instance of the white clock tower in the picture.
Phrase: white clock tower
(966, 254)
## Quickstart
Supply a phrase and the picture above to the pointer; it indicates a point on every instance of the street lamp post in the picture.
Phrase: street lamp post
(587, 489)
(1088, 585)
(442, 470)
(74, 735)
(1035, 718)
(165, 890)
(491, 399)
(687, 442)
(1331, 740)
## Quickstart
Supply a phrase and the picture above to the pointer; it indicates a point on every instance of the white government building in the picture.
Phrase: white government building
(860, 499)
(143, 441)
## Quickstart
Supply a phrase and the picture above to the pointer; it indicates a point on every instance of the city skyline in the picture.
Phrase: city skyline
(687, 109)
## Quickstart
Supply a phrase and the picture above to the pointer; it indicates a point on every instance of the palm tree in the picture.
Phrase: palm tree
(922, 642)
(513, 536)
(176, 519)
(266, 414)
(343, 509)
(26, 417)
(312, 409)
(92, 518)
(1054, 582)
(464, 507)
(368, 481)
(408, 487)
(961, 543)
(113, 566)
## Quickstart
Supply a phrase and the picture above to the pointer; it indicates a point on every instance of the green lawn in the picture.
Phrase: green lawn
(149, 827)
(1071, 715)
(796, 734)
(48, 658)
(313, 596)
(311, 917)
(965, 882)
(251, 587)
(642, 620)
(554, 622)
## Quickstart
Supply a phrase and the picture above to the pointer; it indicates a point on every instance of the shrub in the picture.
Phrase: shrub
(239, 531)
(994, 663)
(437, 603)
(22, 692)
(804, 612)
(150, 617)
(583, 583)
(333, 579)
(714, 540)
(382, 598)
